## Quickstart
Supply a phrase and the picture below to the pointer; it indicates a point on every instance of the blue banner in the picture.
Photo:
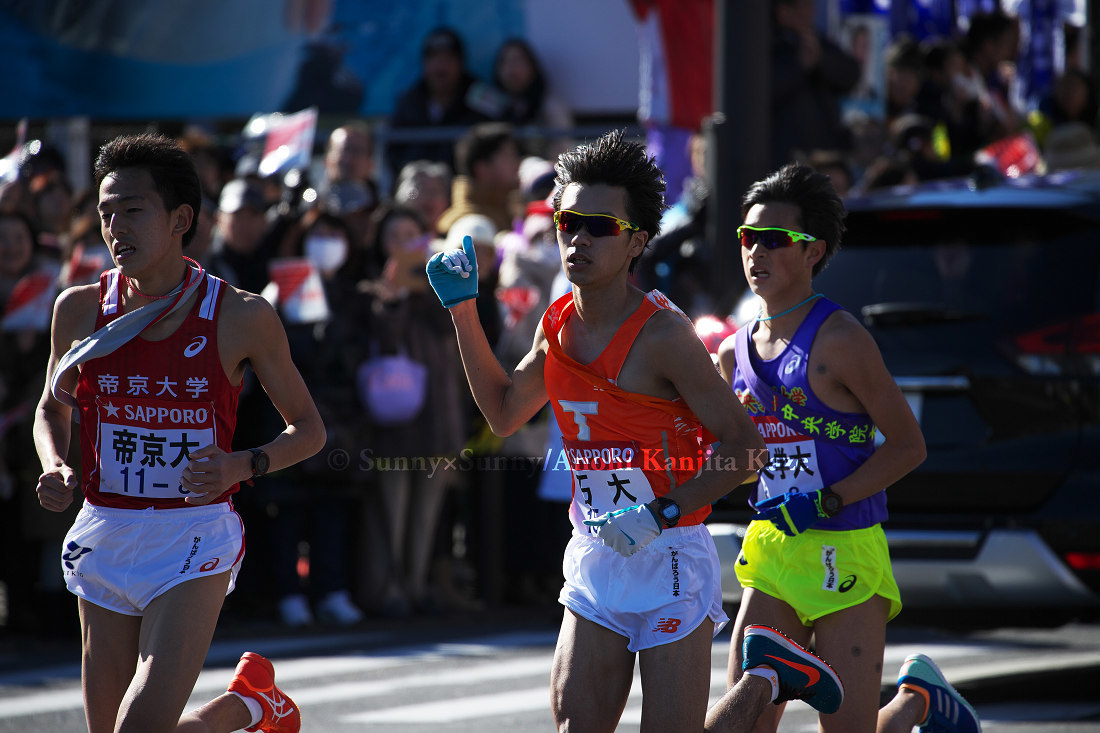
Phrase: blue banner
(166, 59)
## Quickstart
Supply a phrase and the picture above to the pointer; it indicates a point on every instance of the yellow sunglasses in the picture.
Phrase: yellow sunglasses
(598, 225)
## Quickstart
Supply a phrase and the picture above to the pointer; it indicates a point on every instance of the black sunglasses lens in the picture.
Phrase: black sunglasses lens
(598, 226)
(601, 226)
(769, 239)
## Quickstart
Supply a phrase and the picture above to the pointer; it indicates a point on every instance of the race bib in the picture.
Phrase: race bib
(607, 476)
(144, 444)
(793, 462)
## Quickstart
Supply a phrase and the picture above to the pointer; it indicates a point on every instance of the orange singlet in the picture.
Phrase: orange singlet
(624, 448)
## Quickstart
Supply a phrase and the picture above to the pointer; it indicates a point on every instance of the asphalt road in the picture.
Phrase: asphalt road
(491, 673)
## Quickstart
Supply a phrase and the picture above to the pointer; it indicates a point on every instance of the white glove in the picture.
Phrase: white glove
(627, 530)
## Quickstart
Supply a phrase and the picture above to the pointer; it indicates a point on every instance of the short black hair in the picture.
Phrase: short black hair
(986, 27)
(613, 160)
(481, 143)
(446, 39)
(820, 211)
(28, 222)
(174, 176)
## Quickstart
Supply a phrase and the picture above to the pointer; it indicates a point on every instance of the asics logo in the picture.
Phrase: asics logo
(75, 552)
(195, 346)
(280, 706)
(805, 669)
(848, 584)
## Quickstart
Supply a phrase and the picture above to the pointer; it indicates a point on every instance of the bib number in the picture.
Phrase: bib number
(144, 445)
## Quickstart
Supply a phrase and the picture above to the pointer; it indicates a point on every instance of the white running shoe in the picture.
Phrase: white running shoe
(294, 611)
(337, 609)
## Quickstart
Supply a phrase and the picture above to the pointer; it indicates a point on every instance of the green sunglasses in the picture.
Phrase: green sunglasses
(770, 237)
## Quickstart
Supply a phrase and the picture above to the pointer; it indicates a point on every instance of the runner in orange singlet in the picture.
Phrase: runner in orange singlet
(639, 403)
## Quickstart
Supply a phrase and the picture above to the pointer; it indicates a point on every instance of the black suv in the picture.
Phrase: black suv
(984, 297)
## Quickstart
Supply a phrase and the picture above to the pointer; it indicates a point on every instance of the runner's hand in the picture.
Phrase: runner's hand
(627, 530)
(453, 274)
(55, 488)
(793, 512)
(209, 473)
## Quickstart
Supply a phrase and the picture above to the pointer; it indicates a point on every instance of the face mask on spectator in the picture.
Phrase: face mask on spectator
(327, 252)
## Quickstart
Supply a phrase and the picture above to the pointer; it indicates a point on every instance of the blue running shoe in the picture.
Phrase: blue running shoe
(802, 674)
(948, 712)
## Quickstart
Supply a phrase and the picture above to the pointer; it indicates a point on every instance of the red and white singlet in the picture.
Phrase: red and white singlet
(147, 405)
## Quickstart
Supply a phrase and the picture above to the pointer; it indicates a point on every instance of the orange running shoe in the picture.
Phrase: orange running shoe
(255, 678)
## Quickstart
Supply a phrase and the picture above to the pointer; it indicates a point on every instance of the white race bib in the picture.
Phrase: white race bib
(607, 476)
(793, 462)
(144, 444)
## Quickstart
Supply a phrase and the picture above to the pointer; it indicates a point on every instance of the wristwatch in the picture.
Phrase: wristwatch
(260, 462)
(669, 511)
(831, 503)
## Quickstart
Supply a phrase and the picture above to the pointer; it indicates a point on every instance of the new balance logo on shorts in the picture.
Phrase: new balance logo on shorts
(75, 552)
(667, 625)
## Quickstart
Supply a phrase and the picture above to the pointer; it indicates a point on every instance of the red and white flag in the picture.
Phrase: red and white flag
(298, 291)
(289, 141)
(30, 305)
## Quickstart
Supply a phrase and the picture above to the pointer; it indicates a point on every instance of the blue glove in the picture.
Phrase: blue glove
(627, 530)
(793, 512)
(453, 274)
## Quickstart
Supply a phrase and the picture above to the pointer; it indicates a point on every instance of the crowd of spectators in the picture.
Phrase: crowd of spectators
(402, 512)
(948, 104)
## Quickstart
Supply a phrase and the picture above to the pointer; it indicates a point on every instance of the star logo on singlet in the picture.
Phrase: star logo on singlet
(112, 411)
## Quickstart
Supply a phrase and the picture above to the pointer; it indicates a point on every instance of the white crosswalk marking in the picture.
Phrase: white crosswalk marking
(464, 708)
(485, 683)
(41, 702)
(538, 667)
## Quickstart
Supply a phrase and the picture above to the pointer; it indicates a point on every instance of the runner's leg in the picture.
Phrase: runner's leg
(758, 607)
(109, 650)
(853, 641)
(175, 637)
(676, 682)
(591, 677)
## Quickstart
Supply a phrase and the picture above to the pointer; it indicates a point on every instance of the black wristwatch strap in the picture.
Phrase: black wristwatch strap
(260, 462)
(831, 502)
(662, 503)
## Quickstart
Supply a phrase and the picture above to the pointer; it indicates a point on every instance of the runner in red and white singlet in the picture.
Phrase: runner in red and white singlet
(152, 358)
(147, 405)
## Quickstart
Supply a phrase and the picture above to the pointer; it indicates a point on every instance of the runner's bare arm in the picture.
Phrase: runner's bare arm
(727, 360)
(73, 319)
(679, 356)
(249, 331)
(854, 362)
(269, 354)
(507, 402)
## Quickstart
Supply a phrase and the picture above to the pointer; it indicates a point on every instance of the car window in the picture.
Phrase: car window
(1015, 272)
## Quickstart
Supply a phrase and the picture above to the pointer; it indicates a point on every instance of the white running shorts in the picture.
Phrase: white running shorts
(121, 559)
(657, 596)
